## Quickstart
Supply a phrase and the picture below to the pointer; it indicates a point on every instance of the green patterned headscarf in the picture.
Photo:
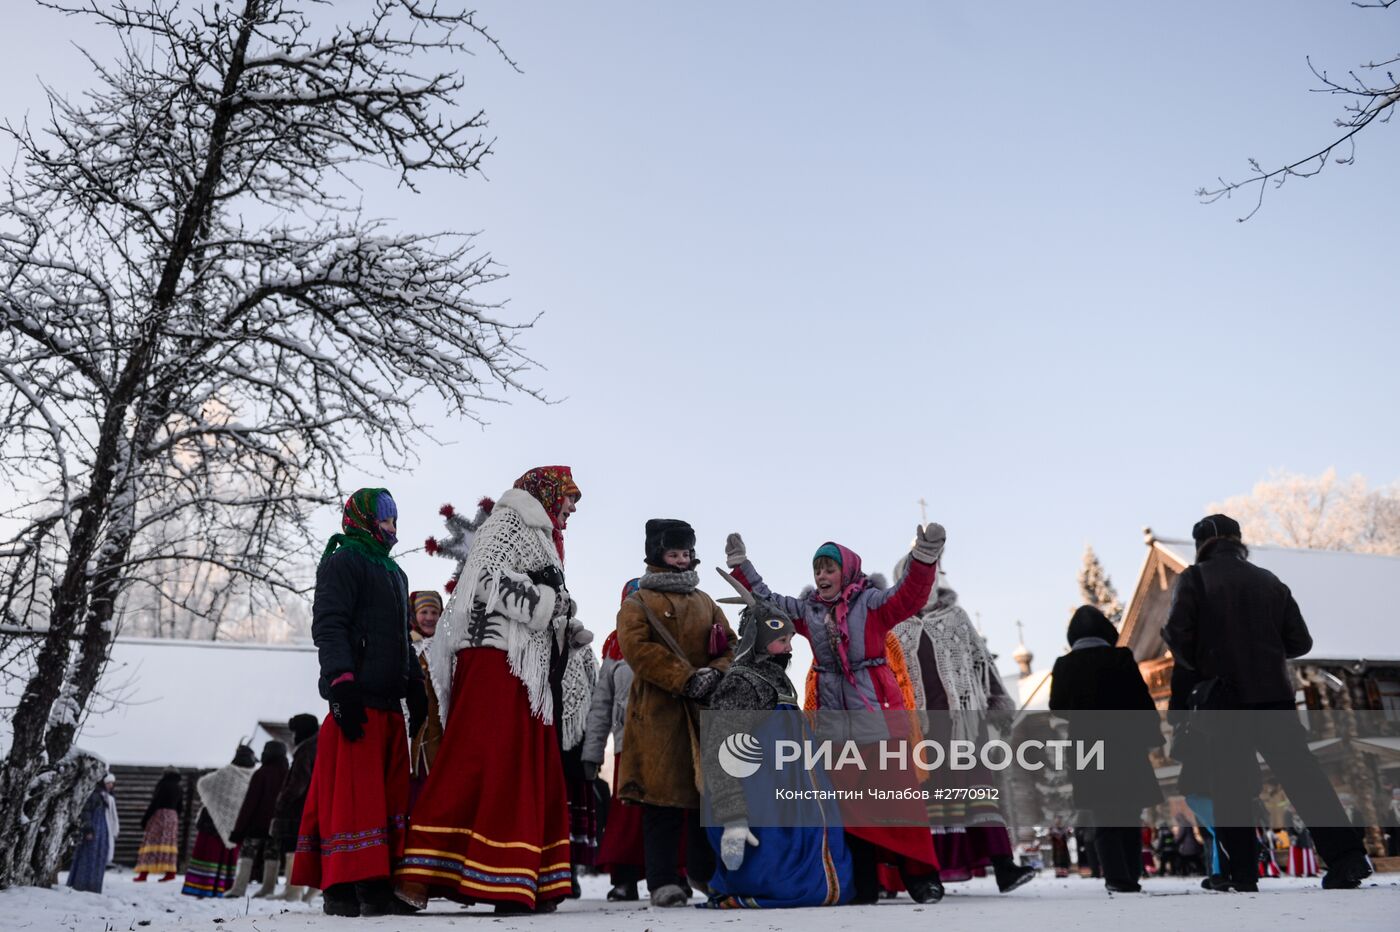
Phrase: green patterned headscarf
(360, 529)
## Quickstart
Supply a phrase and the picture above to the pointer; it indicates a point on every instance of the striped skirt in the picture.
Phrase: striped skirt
(159, 849)
(211, 867)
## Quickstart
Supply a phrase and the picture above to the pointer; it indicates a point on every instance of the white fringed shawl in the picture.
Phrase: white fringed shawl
(518, 536)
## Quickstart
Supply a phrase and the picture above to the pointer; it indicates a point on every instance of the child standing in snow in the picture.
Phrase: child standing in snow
(678, 643)
(425, 608)
(847, 621)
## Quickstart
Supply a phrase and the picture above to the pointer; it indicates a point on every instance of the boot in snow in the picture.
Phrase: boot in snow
(624, 893)
(669, 896)
(1011, 875)
(293, 893)
(1347, 873)
(341, 900)
(269, 879)
(927, 888)
(240, 881)
(170, 875)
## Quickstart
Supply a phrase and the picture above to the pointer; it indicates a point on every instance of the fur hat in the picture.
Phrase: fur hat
(1213, 526)
(663, 534)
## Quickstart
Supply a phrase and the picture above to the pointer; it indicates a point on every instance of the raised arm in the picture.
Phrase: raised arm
(891, 606)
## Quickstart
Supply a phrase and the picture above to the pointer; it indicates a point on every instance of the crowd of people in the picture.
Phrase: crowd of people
(461, 754)
(249, 814)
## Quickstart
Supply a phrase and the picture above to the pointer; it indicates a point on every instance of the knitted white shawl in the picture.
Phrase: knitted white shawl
(222, 793)
(580, 676)
(965, 666)
(518, 536)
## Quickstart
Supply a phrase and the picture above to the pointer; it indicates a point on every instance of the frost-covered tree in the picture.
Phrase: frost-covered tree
(1371, 91)
(1096, 589)
(1318, 512)
(197, 333)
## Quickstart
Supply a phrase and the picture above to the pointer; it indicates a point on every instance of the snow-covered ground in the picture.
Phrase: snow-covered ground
(1045, 903)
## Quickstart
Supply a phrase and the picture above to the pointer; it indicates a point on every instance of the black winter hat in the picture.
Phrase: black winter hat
(245, 757)
(303, 726)
(665, 534)
(1215, 526)
(273, 750)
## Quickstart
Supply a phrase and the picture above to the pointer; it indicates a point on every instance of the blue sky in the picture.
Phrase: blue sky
(802, 264)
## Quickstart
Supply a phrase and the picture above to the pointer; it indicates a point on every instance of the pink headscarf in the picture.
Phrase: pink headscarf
(853, 582)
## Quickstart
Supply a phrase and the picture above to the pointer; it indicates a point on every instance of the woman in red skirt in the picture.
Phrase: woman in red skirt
(492, 823)
(352, 828)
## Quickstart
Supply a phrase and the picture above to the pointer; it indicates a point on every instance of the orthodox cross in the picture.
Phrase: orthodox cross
(923, 510)
(1020, 634)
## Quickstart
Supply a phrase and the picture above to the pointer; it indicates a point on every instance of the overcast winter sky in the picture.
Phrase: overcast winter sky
(804, 263)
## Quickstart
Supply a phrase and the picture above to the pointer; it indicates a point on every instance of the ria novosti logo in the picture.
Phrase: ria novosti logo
(740, 755)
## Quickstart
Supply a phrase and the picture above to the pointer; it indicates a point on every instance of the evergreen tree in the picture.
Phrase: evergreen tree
(1096, 589)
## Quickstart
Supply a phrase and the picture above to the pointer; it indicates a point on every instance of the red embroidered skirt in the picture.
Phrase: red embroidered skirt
(492, 823)
(352, 827)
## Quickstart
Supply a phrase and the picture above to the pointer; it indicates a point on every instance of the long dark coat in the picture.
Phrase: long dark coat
(1106, 679)
(260, 802)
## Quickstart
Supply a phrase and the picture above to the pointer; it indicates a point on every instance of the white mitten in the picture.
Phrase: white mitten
(731, 844)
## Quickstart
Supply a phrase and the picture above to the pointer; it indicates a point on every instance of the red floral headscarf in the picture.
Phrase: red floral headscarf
(550, 485)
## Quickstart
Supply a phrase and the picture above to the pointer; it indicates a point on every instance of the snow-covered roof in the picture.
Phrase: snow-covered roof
(1351, 601)
(189, 703)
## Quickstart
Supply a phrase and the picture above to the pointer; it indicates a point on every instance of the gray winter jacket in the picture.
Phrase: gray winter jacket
(608, 711)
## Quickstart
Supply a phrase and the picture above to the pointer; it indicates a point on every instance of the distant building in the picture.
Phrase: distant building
(166, 703)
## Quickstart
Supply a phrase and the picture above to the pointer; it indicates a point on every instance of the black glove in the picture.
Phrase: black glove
(417, 707)
(590, 771)
(701, 683)
(348, 709)
(549, 575)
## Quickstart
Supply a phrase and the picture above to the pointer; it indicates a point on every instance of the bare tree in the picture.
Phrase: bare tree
(198, 333)
(1372, 90)
(1318, 512)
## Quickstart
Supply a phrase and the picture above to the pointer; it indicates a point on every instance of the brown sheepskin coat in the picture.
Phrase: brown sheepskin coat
(656, 765)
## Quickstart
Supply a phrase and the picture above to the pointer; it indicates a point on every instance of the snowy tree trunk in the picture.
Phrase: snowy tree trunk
(48, 807)
(182, 387)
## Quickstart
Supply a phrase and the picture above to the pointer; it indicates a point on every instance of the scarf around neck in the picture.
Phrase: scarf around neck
(853, 583)
(669, 582)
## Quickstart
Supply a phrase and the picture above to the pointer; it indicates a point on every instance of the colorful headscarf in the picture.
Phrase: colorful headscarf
(853, 582)
(359, 522)
(550, 485)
